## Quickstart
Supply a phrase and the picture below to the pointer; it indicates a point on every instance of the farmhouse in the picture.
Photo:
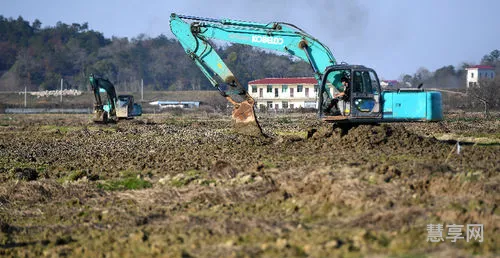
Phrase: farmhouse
(479, 72)
(284, 93)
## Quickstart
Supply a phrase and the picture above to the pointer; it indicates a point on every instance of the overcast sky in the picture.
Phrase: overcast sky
(392, 36)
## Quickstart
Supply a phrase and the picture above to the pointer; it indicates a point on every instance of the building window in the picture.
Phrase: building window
(254, 89)
(284, 88)
(284, 104)
(291, 92)
(470, 84)
(261, 92)
(276, 106)
(307, 92)
(299, 88)
(269, 104)
(471, 75)
(269, 88)
(291, 106)
(276, 92)
(316, 88)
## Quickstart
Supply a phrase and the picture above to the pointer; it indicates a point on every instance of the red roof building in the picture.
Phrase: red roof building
(295, 80)
(485, 67)
(477, 73)
(284, 93)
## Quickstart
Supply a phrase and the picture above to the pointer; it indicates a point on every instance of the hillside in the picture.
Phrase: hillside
(39, 57)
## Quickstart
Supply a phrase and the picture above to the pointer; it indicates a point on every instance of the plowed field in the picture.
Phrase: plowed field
(188, 186)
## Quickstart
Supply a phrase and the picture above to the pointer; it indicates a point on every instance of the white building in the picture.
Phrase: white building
(479, 72)
(279, 93)
(389, 84)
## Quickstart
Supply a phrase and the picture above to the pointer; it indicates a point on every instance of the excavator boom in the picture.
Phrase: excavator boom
(102, 113)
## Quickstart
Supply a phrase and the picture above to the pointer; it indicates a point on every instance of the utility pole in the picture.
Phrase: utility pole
(61, 88)
(142, 90)
(25, 92)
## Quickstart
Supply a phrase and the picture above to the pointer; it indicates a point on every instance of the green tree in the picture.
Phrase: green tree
(493, 58)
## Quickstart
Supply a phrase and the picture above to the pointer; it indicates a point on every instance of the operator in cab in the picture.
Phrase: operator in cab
(344, 96)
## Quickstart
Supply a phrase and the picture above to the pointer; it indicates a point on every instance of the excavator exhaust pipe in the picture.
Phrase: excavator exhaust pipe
(244, 119)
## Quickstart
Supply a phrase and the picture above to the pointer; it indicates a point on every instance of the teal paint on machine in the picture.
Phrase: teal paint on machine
(387, 104)
(435, 106)
(409, 105)
(412, 106)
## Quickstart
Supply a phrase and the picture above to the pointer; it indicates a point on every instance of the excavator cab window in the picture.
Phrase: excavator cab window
(333, 86)
(364, 99)
(365, 94)
(125, 101)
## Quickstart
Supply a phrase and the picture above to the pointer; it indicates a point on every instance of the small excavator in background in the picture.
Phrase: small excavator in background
(367, 102)
(116, 107)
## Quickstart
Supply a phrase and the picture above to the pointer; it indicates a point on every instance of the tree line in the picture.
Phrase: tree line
(37, 58)
(448, 76)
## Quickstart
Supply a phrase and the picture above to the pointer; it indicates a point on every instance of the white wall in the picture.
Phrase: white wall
(298, 100)
(472, 75)
(476, 74)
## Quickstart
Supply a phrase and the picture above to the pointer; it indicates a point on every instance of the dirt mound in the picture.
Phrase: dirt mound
(385, 134)
(370, 136)
(223, 169)
(27, 174)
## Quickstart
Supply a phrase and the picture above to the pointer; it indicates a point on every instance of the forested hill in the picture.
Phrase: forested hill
(39, 56)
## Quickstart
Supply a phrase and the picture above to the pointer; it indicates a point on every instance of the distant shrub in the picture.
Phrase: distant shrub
(285, 120)
(130, 183)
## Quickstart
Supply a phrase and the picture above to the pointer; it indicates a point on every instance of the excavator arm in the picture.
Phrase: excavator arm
(99, 85)
(278, 36)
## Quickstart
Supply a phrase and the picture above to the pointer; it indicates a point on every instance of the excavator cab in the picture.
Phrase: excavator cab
(126, 108)
(363, 102)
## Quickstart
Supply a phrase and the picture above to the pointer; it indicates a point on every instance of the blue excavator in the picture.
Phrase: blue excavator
(115, 107)
(366, 101)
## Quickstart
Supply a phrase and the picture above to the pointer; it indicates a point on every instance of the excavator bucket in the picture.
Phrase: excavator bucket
(244, 120)
(99, 117)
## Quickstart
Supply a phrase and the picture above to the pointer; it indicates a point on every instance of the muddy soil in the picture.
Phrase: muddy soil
(189, 186)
